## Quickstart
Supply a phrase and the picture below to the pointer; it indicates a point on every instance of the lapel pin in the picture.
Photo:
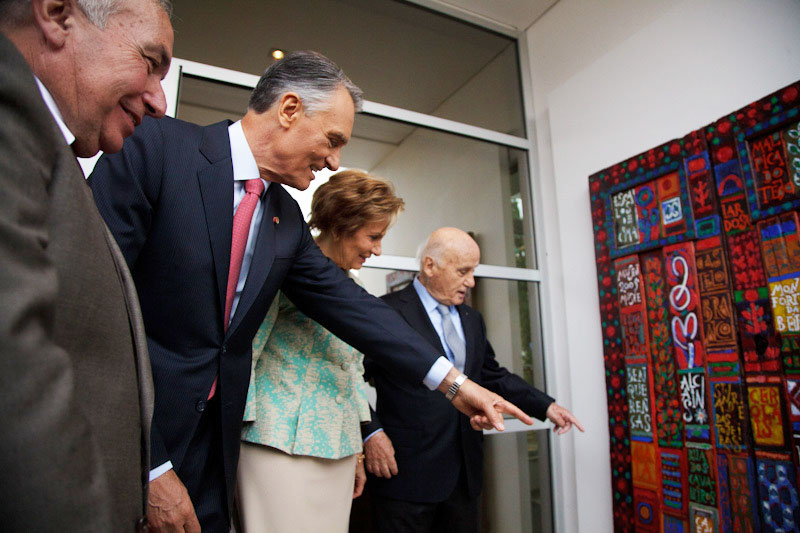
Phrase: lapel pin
(276, 220)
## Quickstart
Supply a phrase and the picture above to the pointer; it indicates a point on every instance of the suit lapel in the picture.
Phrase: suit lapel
(142, 359)
(263, 255)
(216, 189)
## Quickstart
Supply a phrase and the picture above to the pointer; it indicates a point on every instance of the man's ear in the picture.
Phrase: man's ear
(55, 19)
(290, 107)
(427, 266)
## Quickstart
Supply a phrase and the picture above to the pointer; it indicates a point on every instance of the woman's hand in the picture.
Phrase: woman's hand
(361, 476)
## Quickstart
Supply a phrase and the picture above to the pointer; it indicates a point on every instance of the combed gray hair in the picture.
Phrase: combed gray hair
(311, 75)
(98, 11)
(16, 12)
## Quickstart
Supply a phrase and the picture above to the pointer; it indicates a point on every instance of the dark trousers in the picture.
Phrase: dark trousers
(203, 473)
(457, 514)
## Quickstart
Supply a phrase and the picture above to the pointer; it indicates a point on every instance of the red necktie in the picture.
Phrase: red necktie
(241, 228)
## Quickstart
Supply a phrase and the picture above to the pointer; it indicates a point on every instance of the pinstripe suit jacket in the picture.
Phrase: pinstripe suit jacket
(168, 199)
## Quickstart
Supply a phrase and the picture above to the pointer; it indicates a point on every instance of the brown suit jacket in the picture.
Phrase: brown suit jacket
(76, 393)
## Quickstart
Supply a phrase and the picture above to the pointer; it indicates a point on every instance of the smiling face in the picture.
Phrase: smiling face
(312, 142)
(354, 249)
(118, 73)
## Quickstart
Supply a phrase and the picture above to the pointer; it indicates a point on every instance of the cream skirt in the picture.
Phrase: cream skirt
(282, 493)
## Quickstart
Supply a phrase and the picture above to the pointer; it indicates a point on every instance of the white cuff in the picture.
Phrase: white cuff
(160, 470)
(437, 373)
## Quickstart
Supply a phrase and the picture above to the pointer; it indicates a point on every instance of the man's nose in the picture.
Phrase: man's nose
(332, 161)
(470, 281)
(155, 102)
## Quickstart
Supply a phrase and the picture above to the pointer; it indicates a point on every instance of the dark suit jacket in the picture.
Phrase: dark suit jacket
(432, 441)
(168, 199)
(74, 373)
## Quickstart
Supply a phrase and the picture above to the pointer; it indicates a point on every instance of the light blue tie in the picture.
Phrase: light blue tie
(454, 342)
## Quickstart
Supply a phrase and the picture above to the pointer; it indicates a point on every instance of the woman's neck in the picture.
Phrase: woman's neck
(329, 246)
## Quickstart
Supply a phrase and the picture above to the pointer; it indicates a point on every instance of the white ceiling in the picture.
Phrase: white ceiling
(399, 55)
(513, 14)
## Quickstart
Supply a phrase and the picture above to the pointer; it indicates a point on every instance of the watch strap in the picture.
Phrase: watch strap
(453, 390)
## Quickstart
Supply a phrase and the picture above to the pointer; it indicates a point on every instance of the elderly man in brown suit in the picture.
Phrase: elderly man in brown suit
(76, 76)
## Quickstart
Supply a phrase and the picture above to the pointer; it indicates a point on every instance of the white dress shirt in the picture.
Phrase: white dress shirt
(51, 105)
(244, 168)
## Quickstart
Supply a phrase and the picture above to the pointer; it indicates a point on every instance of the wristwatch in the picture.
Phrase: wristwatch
(453, 390)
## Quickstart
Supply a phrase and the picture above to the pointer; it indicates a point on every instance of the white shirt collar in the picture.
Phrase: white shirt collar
(51, 105)
(244, 164)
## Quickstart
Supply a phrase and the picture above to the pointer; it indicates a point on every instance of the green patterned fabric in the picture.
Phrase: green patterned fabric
(307, 393)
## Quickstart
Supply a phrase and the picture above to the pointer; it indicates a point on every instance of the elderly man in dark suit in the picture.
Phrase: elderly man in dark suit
(76, 76)
(427, 462)
(210, 236)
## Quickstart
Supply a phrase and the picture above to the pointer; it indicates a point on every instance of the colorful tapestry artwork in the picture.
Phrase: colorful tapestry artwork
(697, 243)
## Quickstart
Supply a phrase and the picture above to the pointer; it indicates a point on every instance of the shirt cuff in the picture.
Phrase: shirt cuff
(371, 434)
(160, 470)
(437, 373)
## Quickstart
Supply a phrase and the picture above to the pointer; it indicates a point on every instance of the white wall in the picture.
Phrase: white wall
(609, 80)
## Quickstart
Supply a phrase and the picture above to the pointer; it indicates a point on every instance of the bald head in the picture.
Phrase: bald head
(447, 265)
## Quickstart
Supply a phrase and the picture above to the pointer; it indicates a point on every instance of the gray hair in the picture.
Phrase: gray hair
(17, 12)
(433, 248)
(311, 75)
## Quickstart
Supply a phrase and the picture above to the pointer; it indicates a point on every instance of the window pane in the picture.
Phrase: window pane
(205, 102)
(449, 180)
(516, 485)
(399, 54)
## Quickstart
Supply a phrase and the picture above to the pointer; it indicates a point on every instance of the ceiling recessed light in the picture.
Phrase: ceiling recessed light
(277, 54)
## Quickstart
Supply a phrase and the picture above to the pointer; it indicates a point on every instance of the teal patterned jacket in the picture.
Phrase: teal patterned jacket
(307, 393)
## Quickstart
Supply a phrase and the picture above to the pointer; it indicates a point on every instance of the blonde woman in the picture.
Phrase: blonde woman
(301, 463)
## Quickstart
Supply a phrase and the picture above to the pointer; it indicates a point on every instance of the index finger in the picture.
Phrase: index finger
(575, 421)
(504, 406)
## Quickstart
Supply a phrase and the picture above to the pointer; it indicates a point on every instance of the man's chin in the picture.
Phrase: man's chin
(300, 184)
(90, 147)
(85, 148)
(111, 146)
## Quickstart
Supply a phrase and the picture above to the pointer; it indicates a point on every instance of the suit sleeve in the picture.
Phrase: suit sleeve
(48, 455)
(510, 386)
(372, 426)
(374, 423)
(323, 292)
(126, 188)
